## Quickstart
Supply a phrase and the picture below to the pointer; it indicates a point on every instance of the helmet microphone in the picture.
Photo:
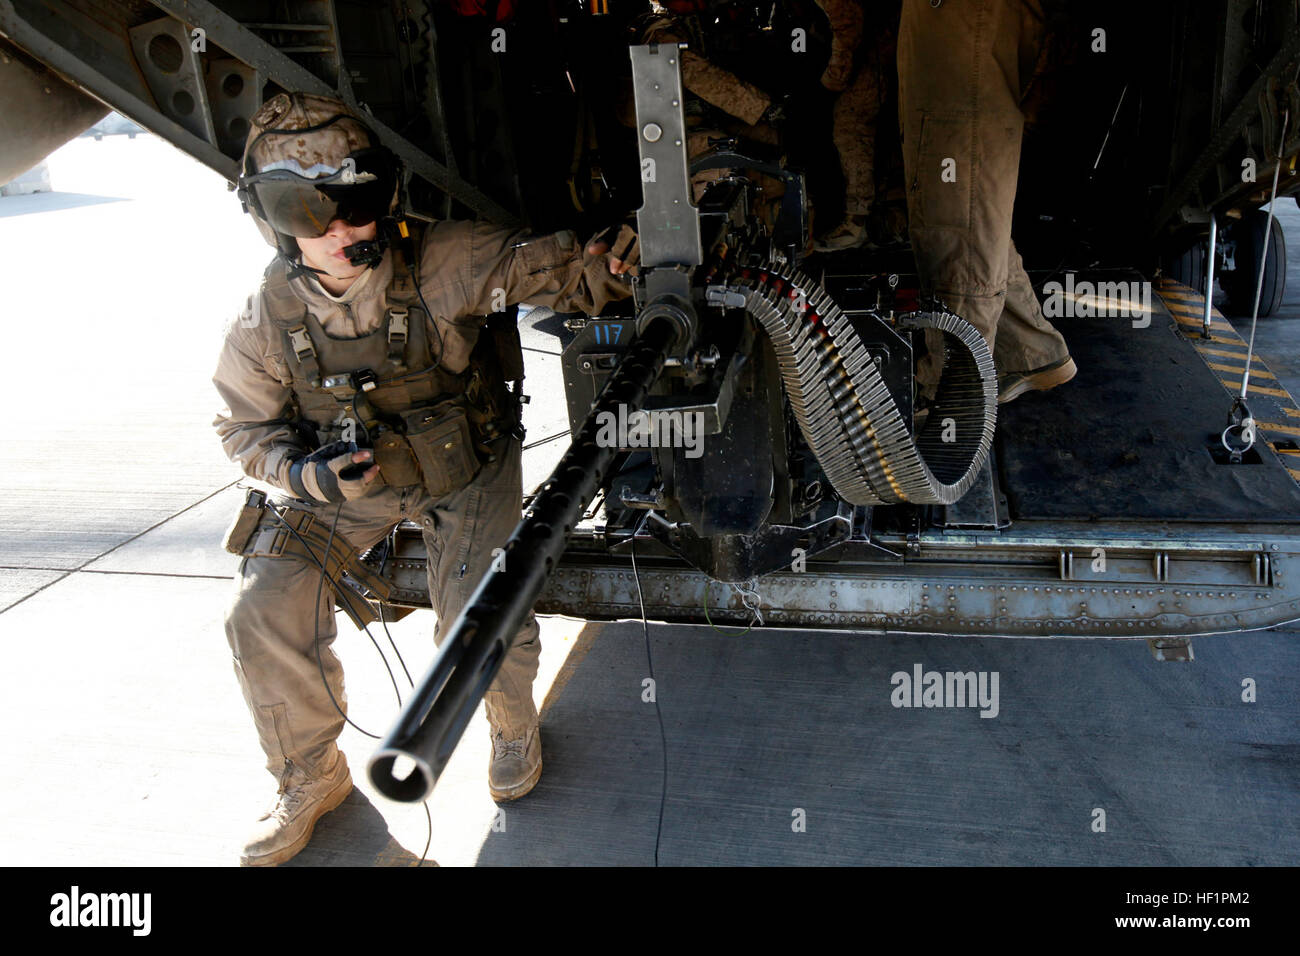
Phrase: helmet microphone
(367, 252)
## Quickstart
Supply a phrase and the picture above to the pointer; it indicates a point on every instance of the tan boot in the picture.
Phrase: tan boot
(286, 828)
(516, 764)
(1014, 384)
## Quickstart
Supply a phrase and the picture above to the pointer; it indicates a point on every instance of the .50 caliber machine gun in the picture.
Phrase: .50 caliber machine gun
(737, 364)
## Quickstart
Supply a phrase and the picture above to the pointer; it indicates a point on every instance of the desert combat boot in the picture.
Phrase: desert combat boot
(1014, 384)
(286, 828)
(516, 764)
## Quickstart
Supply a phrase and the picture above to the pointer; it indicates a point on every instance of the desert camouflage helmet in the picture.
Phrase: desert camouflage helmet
(319, 147)
(308, 138)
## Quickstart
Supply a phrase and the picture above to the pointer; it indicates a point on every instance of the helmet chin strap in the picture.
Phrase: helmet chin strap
(296, 268)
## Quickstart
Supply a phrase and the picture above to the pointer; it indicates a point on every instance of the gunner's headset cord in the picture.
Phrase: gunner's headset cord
(320, 664)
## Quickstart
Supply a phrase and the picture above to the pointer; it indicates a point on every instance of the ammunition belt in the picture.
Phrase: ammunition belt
(845, 410)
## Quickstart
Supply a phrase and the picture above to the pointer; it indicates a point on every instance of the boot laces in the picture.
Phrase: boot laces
(290, 795)
(286, 804)
(501, 747)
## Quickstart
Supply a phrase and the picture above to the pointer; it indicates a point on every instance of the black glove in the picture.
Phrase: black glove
(330, 474)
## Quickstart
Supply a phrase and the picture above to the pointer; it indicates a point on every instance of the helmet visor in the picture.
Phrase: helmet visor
(359, 193)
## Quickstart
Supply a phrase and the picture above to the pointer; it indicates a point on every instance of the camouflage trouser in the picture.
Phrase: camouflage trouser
(271, 625)
(854, 132)
(962, 71)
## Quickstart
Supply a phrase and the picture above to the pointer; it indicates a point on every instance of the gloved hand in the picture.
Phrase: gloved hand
(774, 115)
(623, 246)
(330, 473)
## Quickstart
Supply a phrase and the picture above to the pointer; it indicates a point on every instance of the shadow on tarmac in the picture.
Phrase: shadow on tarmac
(49, 202)
(787, 748)
(355, 834)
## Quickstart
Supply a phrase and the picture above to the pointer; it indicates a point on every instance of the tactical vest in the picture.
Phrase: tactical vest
(385, 390)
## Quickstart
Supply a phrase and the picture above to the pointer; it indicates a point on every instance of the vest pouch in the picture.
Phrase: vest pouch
(397, 465)
(441, 442)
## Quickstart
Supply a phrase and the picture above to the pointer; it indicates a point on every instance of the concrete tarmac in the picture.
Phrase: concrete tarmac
(128, 742)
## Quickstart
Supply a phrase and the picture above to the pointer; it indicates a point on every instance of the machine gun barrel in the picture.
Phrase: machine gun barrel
(474, 648)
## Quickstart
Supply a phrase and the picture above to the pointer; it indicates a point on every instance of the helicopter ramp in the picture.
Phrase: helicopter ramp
(1136, 436)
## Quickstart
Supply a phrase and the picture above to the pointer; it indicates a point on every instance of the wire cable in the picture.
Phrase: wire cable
(1263, 256)
(714, 626)
(320, 588)
(387, 554)
(663, 737)
(428, 817)
(430, 322)
(393, 645)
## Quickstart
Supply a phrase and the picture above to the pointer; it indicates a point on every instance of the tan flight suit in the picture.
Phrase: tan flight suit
(964, 69)
(466, 270)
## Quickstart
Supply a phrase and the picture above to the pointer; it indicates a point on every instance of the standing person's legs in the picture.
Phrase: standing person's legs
(854, 132)
(959, 93)
(1027, 342)
(1026, 339)
(960, 81)
(273, 625)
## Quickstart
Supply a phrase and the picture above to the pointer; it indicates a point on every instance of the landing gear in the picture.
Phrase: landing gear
(1240, 283)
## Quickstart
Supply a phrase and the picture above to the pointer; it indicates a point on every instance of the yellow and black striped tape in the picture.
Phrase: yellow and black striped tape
(1225, 355)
